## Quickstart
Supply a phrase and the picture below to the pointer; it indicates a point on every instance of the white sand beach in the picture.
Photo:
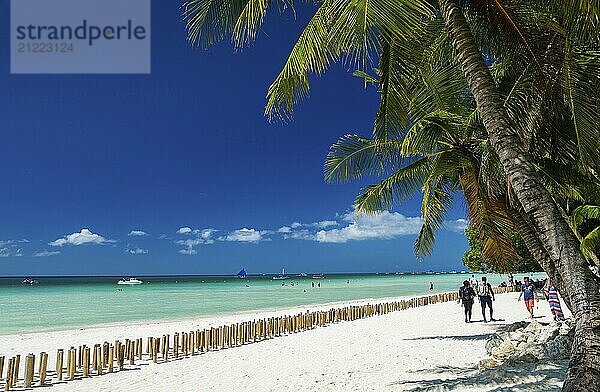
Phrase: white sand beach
(425, 348)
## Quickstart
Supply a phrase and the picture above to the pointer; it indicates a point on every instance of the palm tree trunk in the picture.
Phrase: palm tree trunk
(537, 203)
(538, 252)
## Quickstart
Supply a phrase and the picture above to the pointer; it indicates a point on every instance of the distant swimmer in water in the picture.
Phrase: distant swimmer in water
(313, 284)
(305, 291)
(348, 282)
(292, 283)
(319, 284)
(247, 286)
(282, 284)
(430, 285)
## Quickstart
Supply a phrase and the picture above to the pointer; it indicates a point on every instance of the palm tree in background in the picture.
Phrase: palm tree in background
(524, 37)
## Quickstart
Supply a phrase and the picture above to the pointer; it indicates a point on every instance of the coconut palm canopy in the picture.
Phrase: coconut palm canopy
(532, 75)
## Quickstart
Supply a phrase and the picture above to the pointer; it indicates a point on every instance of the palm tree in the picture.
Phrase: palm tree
(356, 30)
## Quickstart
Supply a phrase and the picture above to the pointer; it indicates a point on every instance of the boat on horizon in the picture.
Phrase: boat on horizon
(242, 274)
(282, 276)
(319, 276)
(30, 281)
(302, 274)
(129, 281)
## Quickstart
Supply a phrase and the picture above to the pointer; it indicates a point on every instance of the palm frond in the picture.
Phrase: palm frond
(583, 213)
(591, 243)
(396, 188)
(353, 157)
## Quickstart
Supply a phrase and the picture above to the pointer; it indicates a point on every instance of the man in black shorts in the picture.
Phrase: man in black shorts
(486, 296)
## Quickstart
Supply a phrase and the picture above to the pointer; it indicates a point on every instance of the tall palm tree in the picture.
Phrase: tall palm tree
(355, 31)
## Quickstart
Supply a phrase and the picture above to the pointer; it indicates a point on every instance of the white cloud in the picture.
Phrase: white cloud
(11, 252)
(137, 233)
(295, 225)
(324, 224)
(302, 234)
(245, 235)
(13, 242)
(85, 236)
(46, 253)
(200, 237)
(383, 225)
(136, 251)
(284, 229)
(457, 226)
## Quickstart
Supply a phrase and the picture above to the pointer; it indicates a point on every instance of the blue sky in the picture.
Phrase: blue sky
(185, 156)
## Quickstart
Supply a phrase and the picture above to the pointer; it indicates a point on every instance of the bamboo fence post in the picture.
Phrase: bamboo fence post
(111, 357)
(154, 351)
(8, 379)
(80, 357)
(193, 342)
(100, 357)
(105, 347)
(71, 363)
(86, 361)
(140, 348)
(95, 357)
(176, 345)
(184, 344)
(121, 356)
(166, 349)
(132, 352)
(1, 365)
(43, 367)
(28, 376)
(59, 363)
(15, 375)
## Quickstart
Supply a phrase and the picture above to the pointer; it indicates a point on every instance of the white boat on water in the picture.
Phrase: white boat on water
(129, 281)
(282, 276)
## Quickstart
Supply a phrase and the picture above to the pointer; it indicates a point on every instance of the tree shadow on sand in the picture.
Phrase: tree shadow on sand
(484, 336)
(524, 377)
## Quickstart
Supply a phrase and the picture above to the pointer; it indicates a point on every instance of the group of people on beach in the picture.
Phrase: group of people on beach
(472, 288)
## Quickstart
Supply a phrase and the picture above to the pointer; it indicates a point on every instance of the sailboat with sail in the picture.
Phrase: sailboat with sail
(282, 276)
(242, 274)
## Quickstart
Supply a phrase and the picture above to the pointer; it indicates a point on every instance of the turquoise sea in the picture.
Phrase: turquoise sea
(69, 302)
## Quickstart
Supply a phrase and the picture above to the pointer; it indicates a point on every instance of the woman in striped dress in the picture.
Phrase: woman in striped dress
(555, 303)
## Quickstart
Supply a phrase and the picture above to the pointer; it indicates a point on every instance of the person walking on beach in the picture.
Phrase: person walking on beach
(486, 296)
(554, 303)
(466, 294)
(430, 285)
(528, 292)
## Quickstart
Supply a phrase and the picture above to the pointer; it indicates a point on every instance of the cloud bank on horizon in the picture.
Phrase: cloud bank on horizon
(346, 227)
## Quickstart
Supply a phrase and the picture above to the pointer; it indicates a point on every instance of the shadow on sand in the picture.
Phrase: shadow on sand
(526, 377)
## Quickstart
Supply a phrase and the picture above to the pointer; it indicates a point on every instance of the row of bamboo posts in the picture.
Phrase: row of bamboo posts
(84, 361)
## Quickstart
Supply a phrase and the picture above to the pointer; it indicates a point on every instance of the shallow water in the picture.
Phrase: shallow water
(60, 303)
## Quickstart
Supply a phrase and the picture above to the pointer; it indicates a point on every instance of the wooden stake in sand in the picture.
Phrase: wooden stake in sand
(15, 372)
(111, 357)
(71, 364)
(59, 363)
(8, 379)
(43, 367)
(28, 370)
(86, 361)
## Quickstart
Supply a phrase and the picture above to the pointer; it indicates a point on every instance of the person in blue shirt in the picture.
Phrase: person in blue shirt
(529, 293)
